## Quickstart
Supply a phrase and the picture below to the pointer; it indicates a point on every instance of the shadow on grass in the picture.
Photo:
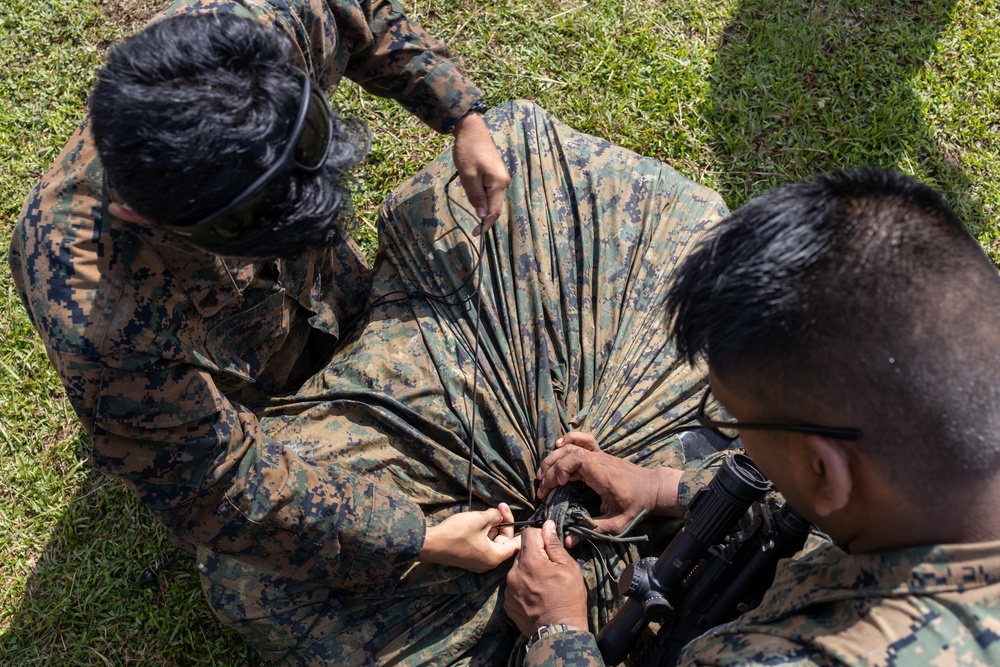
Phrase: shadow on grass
(804, 87)
(85, 604)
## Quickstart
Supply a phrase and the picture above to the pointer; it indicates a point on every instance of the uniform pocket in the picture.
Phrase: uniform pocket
(244, 344)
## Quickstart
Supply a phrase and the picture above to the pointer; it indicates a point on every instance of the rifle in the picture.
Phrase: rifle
(717, 567)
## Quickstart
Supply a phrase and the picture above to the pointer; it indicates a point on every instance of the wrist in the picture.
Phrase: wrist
(472, 117)
(568, 616)
(433, 549)
(667, 483)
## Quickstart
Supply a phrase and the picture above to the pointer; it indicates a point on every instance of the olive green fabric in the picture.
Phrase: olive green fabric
(571, 336)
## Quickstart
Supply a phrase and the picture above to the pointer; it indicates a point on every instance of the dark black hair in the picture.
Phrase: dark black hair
(189, 111)
(860, 290)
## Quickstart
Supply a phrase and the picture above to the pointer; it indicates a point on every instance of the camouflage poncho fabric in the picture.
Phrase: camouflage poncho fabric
(571, 337)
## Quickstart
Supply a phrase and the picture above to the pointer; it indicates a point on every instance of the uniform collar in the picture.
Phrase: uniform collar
(211, 281)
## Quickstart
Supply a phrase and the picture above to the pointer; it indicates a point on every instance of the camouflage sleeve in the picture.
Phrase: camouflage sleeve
(207, 470)
(724, 648)
(573, 648)
(407, 64)
(697, 474)
(322, 33)
(372, 42)
(199, 461)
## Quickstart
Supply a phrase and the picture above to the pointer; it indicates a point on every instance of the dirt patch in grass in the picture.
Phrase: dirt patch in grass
(132, 14)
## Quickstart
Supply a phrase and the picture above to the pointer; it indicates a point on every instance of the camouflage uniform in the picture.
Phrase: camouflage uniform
(571, 337)
(166, 350)
(921, 606)
(306, 503)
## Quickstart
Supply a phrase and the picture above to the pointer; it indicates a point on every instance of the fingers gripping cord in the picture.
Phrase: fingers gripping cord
(570, 507)
(566, 506)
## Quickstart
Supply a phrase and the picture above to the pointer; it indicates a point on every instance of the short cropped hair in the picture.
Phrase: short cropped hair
(860, 290)
(189, 111)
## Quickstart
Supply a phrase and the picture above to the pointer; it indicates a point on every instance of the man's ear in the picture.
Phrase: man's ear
(126, 212)
(831, 466)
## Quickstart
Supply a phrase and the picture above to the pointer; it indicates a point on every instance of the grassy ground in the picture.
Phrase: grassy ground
(739, 95)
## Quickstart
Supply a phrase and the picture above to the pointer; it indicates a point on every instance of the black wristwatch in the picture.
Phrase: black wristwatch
(547, 631)
(477, 107)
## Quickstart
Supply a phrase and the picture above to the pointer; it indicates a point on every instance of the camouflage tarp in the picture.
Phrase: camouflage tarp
(571, 336)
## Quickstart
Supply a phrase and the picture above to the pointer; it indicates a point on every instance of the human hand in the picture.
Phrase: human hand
(480, 169)
(545, 585)
(472, 540)
(626, 490)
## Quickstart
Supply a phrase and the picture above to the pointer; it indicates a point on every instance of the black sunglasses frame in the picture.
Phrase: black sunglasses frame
(239, 213)
(809, 429)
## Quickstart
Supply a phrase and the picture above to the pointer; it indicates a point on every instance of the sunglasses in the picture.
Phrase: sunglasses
(307, 150)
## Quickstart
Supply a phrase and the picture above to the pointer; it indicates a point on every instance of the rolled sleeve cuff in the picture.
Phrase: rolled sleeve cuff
(444, 97)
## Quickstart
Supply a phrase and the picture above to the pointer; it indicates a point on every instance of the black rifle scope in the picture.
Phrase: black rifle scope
(732, 578)
(651, 583)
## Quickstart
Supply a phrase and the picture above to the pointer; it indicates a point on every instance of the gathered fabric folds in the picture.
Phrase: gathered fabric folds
(571, 335)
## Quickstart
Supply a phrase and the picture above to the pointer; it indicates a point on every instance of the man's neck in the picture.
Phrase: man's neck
(960, 516)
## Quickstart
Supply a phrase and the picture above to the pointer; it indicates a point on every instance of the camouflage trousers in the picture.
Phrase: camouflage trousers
(571, 335)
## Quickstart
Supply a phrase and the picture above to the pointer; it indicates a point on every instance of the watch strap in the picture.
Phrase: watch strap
(547, 631)
(477, 107)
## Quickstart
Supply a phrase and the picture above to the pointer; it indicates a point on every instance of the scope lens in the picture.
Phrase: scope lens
(741, 480)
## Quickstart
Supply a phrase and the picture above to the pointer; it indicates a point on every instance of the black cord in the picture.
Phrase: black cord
(399, 296)
(475, 367)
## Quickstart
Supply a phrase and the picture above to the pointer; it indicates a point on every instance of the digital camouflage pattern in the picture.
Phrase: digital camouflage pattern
(572, 648)
(371, 42)
(166, 351)
(936, 606)
(307, 503)
(571, 337)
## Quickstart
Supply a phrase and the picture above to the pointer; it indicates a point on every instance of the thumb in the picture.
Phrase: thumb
(580, 439)
(488, 518)
(554, 548)
(494, 194)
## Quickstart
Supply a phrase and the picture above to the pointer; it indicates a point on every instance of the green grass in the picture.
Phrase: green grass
(740, 96)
